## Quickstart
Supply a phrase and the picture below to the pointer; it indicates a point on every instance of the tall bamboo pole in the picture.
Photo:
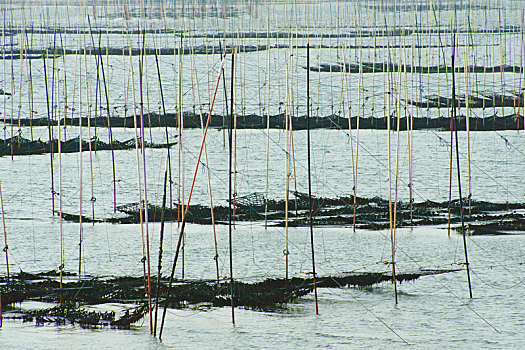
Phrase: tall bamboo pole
(148, 261)
(6, 248)
(390, 214)
(467, 266)
(80, 173)
(181, 233)
(50, 134)
(230, 199)
(310, 175)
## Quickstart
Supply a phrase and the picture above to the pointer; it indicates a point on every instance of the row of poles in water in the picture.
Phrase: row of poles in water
(231, 171)
(153, 323)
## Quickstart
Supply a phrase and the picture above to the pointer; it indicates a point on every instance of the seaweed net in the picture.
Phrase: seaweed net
(372, 213)
(75, 296)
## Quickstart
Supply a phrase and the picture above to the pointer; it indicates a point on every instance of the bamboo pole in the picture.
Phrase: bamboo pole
(230, 199)
(139, 182)
(467, 112)
(13, 93)
(394, 221)
(6, 247)
(92, 199)
(80, 175)
(360, 88)
(161, 240)
(4, 72)
(287, 167)
(391, 224)
(467, 266)
(60, 196)
(22, 54)
(216, 256)
(310, 175)
(452, 127)
(110, 133)
(181, 182)
(181, 233)
(267, 124)
(148, 260)
(50, 132)
(410, 117)
(162, 214)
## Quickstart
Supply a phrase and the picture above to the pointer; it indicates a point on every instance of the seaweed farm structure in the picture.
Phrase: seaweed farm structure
(158, 157)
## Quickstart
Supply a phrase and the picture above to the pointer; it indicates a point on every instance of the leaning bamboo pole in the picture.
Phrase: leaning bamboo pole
(92, 199)
(216, 256)
(467, 265)
(181, 232)
(163, 210)
(161, 241)
(50, 134)
(195, 88)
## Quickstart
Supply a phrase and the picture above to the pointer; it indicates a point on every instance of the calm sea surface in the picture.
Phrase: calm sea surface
(433, 312)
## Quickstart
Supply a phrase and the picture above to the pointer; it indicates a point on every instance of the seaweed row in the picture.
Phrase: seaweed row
(72, 297)
(383, 67)
(76, 314)
(19, 145)
(334, 121)
(371, 213)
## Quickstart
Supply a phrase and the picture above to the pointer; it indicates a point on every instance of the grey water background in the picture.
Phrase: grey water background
(433, 312)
